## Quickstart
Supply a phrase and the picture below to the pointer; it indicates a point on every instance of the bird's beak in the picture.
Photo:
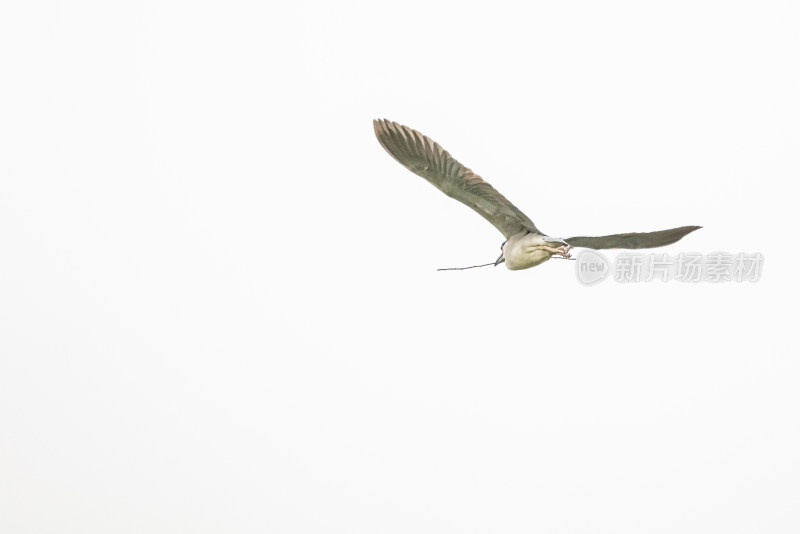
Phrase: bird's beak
(500, 260)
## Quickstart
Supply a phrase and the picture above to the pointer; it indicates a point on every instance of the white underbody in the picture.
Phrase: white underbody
(525, 250)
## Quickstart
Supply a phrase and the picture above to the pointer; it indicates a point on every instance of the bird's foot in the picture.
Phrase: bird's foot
(562, 251)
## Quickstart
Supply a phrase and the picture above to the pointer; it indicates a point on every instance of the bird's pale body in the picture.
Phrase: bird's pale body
(525, 250)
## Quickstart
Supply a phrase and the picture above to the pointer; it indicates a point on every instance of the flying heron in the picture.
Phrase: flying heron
(525, 246)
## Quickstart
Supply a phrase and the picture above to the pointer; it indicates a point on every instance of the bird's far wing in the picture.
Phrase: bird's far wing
(423, 156)
(633, 239)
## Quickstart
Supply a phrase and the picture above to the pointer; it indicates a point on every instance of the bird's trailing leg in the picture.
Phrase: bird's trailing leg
(562, 251)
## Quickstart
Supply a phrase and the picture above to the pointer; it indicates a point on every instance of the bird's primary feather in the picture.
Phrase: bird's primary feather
(422, 156)
(633, 239)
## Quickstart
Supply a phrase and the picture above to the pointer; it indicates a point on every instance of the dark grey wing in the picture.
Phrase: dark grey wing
(422, 156)
(633, 239)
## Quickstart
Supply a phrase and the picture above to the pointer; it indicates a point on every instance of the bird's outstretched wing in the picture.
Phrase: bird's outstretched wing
(633, 239)
(423, 156)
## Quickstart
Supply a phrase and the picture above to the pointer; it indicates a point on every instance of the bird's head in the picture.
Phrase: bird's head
(501, 259)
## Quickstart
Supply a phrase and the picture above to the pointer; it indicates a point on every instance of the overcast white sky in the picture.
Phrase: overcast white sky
(219, 305)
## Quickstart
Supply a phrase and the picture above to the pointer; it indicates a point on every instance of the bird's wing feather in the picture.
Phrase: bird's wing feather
(633, 239)
(423, 156)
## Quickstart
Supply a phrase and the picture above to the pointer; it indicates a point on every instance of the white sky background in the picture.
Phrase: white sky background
(219, 305)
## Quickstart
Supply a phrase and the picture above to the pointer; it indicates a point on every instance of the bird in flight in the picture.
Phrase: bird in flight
(525, 246)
